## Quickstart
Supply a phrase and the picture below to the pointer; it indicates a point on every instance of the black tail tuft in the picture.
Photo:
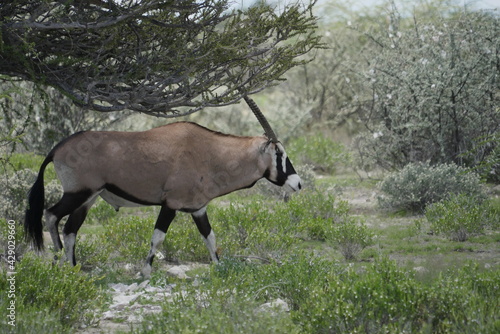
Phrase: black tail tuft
(33, 227)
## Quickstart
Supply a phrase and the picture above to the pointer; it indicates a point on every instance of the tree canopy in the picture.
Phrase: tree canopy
(160, 57)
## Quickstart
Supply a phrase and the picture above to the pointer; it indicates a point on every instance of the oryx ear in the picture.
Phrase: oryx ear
(265, 146)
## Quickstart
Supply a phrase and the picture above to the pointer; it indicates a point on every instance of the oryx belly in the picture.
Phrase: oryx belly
(116, 201)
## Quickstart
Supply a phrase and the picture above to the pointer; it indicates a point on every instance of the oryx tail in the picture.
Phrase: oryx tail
(33, 227)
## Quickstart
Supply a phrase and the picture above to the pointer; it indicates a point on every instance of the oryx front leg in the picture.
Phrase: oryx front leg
(201, 219)
(162, 223)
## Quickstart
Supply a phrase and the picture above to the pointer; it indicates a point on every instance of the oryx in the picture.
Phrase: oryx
(179, 167)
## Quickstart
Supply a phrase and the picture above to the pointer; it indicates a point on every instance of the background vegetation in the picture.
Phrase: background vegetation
(394, 128)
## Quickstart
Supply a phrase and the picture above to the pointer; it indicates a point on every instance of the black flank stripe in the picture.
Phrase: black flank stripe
(123, 194)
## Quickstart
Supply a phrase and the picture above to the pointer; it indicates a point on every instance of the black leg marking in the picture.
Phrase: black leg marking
(67, 205)
(202, 223)
(162, 223)
(201, 219)
(70, 231)
(164, 219)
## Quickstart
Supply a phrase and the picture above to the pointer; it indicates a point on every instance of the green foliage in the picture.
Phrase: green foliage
(253, 229)
(101, 213)
(460, 216)
(384, 298)
(42, 117)
(221, 312)
(184, 242)
(327, 297)
(432, 88)
(61, 291)
(258, 227)
(351, 237)
(319, 151)
(418, 185)
(93, 252)
(315, 213)
(32, 319)
(16, 187)
(129, 239)
(489, 150)
(242, 50)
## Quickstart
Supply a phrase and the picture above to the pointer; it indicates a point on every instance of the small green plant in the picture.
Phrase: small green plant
(458, 217)
(92, 251)
(383, 298)
(351, 237)
(313, 212)
(420, 184)
(223, 312)
(184, 242)
(319, 151)
(60, 289)
(100, 213)
(128, 239)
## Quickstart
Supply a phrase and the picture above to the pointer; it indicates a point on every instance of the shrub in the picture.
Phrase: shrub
(431, 85)
(382, 298)
(223, 312)
(13, 203)
(93, 251)
(420, 184)
(16, 187)
(459, 217)
(59, 289)
(184, 242)
(318, 204)
(128, 239)
(317, 150)
(100, 213)
(32, 319)
(351, 238)
(256, 228)
(488, 147)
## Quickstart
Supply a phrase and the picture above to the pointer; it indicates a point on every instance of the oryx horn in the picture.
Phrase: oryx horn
(262, 119)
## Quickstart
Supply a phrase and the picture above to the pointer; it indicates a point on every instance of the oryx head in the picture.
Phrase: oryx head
(280, 171)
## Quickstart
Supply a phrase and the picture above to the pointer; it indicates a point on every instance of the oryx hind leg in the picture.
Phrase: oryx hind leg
(67, 205)
(162, 223)
(201, 219)
(70, 230)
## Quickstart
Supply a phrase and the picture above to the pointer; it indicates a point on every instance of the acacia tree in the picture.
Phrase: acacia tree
(159, 57)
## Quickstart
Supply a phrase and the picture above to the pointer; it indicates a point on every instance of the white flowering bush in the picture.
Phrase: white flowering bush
(420, 184)
(432, 87)
(14, 201)
(16, 187)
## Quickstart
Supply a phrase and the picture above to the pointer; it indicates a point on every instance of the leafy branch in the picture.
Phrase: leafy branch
(165, 58)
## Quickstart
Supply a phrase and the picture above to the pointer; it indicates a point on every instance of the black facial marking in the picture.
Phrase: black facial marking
(289, 168)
